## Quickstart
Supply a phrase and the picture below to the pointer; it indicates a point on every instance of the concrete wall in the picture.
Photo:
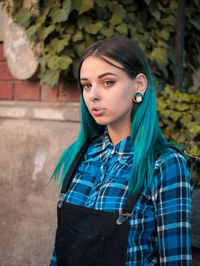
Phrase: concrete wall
(29, 152)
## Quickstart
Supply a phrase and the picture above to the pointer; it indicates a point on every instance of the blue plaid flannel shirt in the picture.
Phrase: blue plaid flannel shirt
(160, 224)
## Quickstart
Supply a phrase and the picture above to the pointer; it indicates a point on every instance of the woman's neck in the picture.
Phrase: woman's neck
(118, 134)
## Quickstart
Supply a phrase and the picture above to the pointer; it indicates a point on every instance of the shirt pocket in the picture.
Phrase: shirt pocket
(88, 167)
(121, 170)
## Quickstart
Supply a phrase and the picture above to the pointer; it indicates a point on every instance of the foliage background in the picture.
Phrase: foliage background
(65, 28)
(179, 115)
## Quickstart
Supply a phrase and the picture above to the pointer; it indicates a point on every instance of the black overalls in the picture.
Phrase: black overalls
(88, 237)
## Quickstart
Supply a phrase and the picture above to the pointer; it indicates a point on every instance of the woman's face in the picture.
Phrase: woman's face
(107, 91)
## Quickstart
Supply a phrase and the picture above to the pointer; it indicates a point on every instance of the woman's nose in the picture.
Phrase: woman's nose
(95, 94)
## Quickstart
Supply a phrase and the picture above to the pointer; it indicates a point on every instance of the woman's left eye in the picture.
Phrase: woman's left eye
(109, 83)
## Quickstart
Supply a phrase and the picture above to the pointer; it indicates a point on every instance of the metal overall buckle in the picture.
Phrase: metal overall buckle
(123, 217)
(61, 201)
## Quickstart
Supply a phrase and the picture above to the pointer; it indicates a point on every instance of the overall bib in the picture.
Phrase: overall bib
(88, 237)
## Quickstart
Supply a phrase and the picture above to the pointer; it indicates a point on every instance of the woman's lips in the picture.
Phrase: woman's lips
(98, 111)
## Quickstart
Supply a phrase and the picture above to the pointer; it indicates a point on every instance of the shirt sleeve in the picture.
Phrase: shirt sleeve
(174, 197)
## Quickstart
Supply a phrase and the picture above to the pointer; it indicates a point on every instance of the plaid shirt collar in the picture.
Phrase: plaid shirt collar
(123, 148)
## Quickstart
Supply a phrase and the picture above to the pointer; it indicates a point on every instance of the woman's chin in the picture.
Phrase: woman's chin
(100, 122)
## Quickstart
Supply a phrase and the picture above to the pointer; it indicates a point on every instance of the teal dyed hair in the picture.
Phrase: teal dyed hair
(146, 135)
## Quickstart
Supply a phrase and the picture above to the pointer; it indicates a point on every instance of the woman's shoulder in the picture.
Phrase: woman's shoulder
(171, 168)
(170, 156)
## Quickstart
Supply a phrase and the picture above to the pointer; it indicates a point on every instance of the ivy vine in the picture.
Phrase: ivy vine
(67, 27)
(179, 116)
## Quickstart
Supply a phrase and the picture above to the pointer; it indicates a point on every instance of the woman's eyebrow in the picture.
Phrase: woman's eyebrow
(105, 74)
(102, 75)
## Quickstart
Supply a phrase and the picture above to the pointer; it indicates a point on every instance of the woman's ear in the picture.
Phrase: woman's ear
(141, 83)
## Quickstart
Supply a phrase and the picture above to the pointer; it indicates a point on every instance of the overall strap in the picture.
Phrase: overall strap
(127, 210)
(74, 167)
(129, 204)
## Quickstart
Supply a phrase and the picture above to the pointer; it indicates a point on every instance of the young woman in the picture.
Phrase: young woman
(126, 193)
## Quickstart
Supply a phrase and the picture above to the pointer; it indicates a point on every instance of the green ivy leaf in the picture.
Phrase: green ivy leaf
(80, 48)
(175, 116)
(45, 31)
(161, 104)
(41, 19)
(162, 44)
(94, 28)
(59, 28)
(118, 15)
(83, 5)
(164, 34)
(57, 45)
(67, 6)
(64, 62)
(90, 39)
(48, 3)
(166, 113)
(182, 107)
(51, 77)
(195, 151)
(170, 20)
(122, 28)
(196, 115)
(59, 62)
(70, 30)
(173, 4)
(159, 55)
(169, 130)
(59, 15)
(32, 30)
(195, 130)
(185, 120)
(101, 3)
(111, 5)
(83, 21)
(107, 32)
(78, 36)
(156, 14)
(181, 138)
(43, 59)
(22, 17)
(183, 97)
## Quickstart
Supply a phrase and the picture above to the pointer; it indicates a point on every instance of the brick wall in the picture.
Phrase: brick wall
(14, 89)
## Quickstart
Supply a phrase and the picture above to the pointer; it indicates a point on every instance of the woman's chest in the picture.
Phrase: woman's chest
(99, 187)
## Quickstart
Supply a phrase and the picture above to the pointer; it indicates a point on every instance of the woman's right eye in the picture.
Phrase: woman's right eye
(86, 86)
